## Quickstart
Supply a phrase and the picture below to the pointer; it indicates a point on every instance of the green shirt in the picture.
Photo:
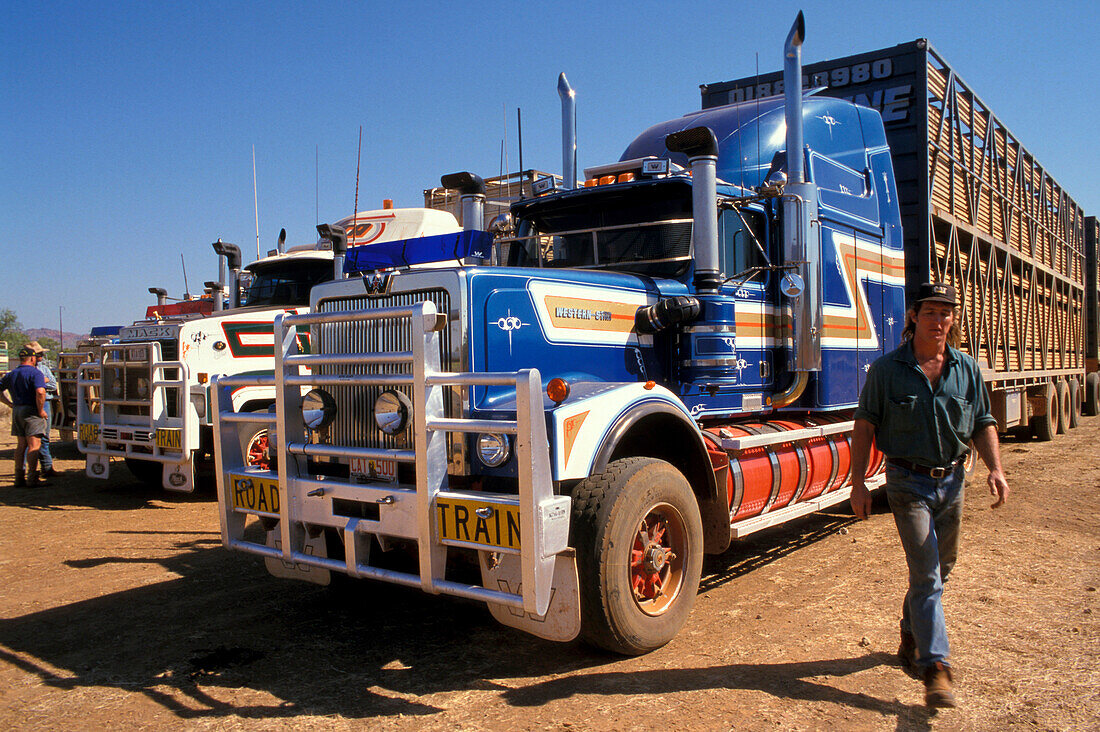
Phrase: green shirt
(916, 423)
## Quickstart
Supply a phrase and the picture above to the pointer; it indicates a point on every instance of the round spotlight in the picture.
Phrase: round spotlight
(493, 450)
(318, 409)
(392, 410)
(116, 387)
(143, 387)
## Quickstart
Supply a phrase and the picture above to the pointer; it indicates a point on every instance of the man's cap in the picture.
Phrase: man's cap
(35, 347)
(26, 352)
(937, 292)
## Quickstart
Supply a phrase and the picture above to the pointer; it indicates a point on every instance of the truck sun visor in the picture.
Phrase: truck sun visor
(421, 250)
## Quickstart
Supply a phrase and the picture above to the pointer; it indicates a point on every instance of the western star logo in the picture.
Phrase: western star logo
(582, 314)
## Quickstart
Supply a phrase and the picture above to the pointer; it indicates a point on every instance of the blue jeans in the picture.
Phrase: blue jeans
(927, 512)
(44, 458)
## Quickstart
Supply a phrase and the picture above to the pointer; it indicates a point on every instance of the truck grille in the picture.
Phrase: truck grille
(354, 425)
(127, 375)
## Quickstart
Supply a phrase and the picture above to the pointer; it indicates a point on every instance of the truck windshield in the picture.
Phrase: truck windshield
(285, 283)
(631, 230)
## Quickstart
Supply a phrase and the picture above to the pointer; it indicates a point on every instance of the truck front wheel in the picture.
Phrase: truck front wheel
(639, 541)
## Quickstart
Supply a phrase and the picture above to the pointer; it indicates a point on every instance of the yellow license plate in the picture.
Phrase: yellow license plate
(477, 522)
(170, 438)
(363, 470)
(253, 493)
(89, 433)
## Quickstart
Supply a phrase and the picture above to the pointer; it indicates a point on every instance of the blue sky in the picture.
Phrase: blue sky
(126, 128)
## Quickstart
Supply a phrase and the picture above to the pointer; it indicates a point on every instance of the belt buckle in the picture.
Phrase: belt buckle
(939, 472)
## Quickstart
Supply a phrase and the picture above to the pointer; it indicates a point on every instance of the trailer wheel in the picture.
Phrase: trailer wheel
(1062, 389)
(1091, 405)
(146, 471)
(1044, 426)
(639, 540)
(1074, 403)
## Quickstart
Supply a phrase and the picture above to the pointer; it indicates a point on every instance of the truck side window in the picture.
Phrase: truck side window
(736, 250)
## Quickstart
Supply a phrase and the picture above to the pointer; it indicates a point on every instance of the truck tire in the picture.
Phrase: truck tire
(1045, 426)
(1091, 405)
(1062, 389)
(1074, 403)
(639, 540)
(146, 471)
(254, 449)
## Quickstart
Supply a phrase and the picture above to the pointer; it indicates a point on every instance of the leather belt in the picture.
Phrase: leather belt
(942, 472)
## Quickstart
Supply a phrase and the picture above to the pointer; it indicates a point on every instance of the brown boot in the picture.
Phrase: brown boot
(33, 481)
(938, 693)
(20, 481)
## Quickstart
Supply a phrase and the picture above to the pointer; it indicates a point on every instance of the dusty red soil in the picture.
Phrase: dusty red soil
(120, 609)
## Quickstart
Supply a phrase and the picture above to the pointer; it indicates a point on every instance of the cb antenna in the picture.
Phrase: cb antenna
(255, 202)
(186, 290)
(355, 207)
(519, 134)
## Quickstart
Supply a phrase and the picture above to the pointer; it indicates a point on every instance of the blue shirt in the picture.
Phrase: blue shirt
(23, 382)
(915, 422)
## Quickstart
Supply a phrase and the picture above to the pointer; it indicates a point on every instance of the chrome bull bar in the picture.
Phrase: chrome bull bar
(407, 511)
(134, 436)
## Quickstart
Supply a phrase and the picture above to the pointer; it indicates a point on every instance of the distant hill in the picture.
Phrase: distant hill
(38, 333)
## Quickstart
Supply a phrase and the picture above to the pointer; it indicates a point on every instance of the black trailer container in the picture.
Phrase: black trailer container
(980, 212)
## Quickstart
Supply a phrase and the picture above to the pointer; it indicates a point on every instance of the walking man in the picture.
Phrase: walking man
(922, 405)
(28, 414)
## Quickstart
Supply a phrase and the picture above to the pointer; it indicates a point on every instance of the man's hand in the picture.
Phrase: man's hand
(998, 488)
(860, 500)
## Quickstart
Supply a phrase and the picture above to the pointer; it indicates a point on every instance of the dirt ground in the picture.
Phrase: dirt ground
(120, 609)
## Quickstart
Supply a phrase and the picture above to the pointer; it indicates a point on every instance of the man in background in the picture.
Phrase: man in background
(45, 459)
(28, 415)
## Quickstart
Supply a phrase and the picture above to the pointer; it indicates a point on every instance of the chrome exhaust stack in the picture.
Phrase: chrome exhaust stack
(701, 147)
(228, 254)
(162, 295)
(568, 133)
(339, 239)
(801, 226)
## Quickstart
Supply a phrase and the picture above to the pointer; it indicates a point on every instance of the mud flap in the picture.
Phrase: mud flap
(97, 466)
(178, 477)
(562, 621)
(293, 570)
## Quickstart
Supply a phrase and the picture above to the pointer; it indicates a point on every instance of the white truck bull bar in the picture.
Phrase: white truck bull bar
(407, 511)
(136, 436)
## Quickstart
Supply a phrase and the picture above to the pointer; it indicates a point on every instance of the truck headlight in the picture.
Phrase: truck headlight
(391, 411)
(116, 387)
(143, 387)
(318, 409)
(493, 450)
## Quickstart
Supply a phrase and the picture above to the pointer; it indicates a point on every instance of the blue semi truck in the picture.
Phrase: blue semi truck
(612, 381)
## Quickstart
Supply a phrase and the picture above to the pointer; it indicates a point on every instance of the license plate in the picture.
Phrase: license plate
(170, 438)
(477, 522)
(89, 433)
(253, 493)
(363, 469)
